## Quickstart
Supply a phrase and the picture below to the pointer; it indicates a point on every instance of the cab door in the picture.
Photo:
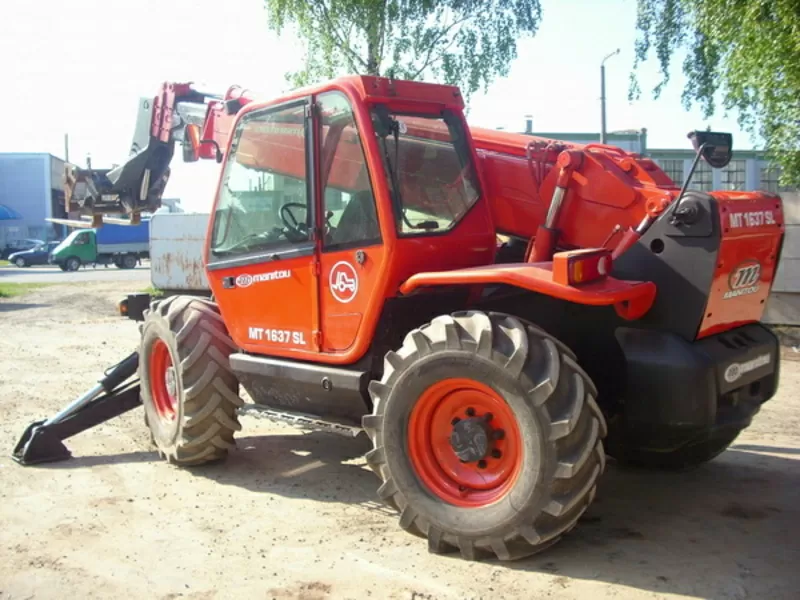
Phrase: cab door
(261, 252)
(352, 253)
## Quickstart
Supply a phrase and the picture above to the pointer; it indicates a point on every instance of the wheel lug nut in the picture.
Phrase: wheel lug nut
(454, 421)
(496, 453)
(498, 434)
(470, 412)
(481, 464)
(488, 417)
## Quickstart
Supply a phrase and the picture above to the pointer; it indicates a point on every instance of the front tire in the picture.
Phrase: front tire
(73, 263)
(515, 495)
(20, 262)
(189, 393)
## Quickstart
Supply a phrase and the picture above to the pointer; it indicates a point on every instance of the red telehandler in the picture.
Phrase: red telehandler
(497, 312)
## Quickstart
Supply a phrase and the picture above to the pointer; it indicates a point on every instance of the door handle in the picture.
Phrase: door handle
(228, 282)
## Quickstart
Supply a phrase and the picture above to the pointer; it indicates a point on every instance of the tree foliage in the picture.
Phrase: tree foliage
(461, 42)
(744, 52)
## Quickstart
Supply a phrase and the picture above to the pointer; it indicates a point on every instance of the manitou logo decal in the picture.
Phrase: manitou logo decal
(343, 281)
(737, 370)
(744, 279)
(246, 280)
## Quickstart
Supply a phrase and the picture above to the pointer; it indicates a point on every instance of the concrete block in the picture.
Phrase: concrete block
(791, 243)
(787, 279)
(791, 207)
(782, 309)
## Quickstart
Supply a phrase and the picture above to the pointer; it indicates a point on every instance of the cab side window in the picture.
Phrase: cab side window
(350, 217)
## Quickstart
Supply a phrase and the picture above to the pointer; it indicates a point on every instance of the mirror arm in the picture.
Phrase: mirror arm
(217, 149)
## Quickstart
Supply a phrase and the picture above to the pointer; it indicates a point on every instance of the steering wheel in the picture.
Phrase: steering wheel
(297, 231)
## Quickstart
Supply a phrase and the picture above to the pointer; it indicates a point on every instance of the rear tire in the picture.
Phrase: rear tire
(551, 418)
(191, 412)
(128, 261)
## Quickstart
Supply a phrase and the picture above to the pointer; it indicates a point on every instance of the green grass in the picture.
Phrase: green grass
(155, 292)
(10, 290)
(4, 263)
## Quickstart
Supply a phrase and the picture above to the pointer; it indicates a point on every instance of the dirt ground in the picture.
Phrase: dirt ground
(296, 515)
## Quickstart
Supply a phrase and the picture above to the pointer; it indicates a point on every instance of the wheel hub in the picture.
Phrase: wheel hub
(163, 382)
(471, 439)
(169, 381)
(464, 442)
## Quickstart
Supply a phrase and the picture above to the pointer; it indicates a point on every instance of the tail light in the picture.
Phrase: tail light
(581, 266)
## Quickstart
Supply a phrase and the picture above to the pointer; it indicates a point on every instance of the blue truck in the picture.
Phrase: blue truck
(121, 245)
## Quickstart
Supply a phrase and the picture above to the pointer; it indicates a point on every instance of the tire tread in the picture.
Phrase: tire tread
(210, 390)
(560, 390)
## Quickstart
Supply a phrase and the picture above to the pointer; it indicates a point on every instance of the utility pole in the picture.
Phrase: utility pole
(603, 138)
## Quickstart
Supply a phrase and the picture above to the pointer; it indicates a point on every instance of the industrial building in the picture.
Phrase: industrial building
(31, 191)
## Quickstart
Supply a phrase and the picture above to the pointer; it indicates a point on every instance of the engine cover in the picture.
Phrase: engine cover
(714, 272)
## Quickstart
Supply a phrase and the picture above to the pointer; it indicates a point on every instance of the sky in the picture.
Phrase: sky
(79, 67)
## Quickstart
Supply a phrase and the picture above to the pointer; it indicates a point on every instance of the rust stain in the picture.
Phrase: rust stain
(177, 246)
(180, 270)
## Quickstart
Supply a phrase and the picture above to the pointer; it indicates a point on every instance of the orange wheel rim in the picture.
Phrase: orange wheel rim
(464, 442)
(162, 382)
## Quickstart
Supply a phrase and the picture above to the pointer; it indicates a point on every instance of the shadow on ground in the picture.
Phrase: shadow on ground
(301, 466)
(731, 525)
(12, 306)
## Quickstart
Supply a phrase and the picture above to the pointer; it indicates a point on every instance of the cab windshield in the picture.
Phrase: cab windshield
(429, 169)
(71, 237)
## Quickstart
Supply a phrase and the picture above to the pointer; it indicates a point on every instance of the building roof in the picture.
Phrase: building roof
(8, 214)
(688, 153)
(13, 155)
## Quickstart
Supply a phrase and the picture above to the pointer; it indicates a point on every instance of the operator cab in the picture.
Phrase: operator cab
(328, 201)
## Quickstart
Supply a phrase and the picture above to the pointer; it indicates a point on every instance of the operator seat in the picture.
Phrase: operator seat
(359, 221)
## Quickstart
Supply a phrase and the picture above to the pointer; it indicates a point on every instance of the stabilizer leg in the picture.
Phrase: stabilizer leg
(42, 440)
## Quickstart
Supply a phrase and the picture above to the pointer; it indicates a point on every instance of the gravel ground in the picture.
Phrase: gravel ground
(295, 515)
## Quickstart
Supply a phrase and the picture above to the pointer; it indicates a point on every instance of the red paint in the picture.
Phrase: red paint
(611, 187)
(433, 458)
(164, 398)
(614, 188)
(631, 299)
(752, 226)
(304, 302)
(343, 320)
(256, 312)
(608, 193)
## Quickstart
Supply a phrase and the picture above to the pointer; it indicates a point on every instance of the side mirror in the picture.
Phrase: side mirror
(717, 148)
(191, 143)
